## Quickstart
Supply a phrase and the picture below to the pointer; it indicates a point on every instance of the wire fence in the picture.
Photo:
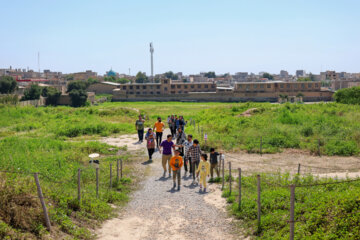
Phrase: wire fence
(227, 182)
(76, 179)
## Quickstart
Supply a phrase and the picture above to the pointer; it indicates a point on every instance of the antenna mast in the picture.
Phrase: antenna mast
(39, 61)
(152, 61)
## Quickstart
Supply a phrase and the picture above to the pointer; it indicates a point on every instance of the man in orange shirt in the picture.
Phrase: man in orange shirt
(159, 128)
(176, 162)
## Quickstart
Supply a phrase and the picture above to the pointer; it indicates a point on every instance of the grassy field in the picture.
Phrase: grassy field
(321, 212)
(56, 141)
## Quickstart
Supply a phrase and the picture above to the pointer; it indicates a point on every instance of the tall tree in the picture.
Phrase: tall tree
(7, 84)
(268, 76)
(210, 75)
(32, 93)
(171, 75)
(141, 78)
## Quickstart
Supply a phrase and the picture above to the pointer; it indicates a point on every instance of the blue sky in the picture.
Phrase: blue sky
(188, 35)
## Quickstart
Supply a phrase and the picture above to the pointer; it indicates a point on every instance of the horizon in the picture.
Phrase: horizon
(227, 37)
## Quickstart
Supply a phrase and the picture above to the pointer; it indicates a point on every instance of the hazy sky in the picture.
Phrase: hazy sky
(188, 35)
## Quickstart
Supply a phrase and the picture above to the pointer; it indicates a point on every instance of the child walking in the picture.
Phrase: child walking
(176, 162)
(203, 170)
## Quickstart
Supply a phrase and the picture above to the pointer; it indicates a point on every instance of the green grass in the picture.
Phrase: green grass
(321, 212)
(56, 141)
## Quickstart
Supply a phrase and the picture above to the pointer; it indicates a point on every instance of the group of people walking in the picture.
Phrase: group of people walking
(187, 152)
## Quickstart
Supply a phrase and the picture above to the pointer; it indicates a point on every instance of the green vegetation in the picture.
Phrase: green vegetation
(141, 78)
(268, 76)
(36, 140)
(348, 95)
(7, 84)
(321, 212)
(32, 93)
(77, 93)
(210, 75)
(171, 75)
(334, 126)
(116, 80)
(52, 95)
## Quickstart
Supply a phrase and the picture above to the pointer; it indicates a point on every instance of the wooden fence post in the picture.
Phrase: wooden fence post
(117, 171)
(230, 178)
(299, 169)
(258, 204)
(292, 212)
(110, 175)
(121, 168)
(41, 197)
(239, 207)
(319, 152)
(261, 143)
(79, 185)
(223, 173)
(97, 182)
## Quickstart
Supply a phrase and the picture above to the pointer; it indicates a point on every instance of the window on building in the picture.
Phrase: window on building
(172, 86)
(303, 85)
(309, 85)
(165, 89)
(192, 86)
(199, 86)
(151, 92)
(180, 92)
(124, 87)
(144, 93)
(255, 86)
(157, 87)
(261, 85)
(178, 86)
(240, 86)
(288, 85)
(172, 92)
(316, 85)
(185, 91)
(281, 85)
(206, 86)
(165, 81)
(137, 87)
(131, 87)
(158, 93)
(138, 93)
(269, 86)
(185, 86)
(144, 87)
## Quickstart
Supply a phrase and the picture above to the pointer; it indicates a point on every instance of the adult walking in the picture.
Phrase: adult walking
(187, 158)
(159, 129)
(173, 125)
(214, 163)
(195, 153)
(180, 140)
(166, 145)
(139, 125)
(150, 143)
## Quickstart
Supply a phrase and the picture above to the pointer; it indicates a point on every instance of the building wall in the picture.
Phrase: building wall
(102, 88)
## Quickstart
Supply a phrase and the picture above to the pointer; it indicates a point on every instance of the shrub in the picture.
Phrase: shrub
(7, 84)
(52, 95)
(78, 97)
(348, 95)
(32, 93)
(307, 131)
(343, 148)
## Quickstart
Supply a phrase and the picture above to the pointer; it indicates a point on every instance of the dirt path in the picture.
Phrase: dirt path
(157, 212)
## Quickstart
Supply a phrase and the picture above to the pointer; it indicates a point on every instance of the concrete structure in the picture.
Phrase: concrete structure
(103, 87)
(300, 73)
(167, 90)
(284, 74)
(339, 84)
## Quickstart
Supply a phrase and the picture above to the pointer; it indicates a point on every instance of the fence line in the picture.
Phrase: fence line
(77, 181)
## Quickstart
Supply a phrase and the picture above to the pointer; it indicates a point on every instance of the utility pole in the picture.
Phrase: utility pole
(39, 62)
(152, 61)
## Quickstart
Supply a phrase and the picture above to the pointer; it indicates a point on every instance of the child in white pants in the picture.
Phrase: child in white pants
(203, 170)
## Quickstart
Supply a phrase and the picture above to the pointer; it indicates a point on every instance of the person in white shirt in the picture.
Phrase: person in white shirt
(187, 157)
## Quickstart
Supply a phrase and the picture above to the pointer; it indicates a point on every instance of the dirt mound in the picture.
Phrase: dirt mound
(249, 112)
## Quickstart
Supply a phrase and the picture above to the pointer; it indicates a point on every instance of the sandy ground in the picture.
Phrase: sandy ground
(288, 160)
(158, 212)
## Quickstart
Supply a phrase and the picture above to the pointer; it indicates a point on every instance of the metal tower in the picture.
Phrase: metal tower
(152, 61)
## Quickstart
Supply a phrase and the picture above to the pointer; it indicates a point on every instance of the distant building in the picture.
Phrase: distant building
(300, 73)
(83, 75)
(331, 75)
(284, 74)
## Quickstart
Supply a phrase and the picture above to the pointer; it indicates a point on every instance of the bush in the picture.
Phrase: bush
(7, 84)
(307, 131)
(52, 95)
(32, 93)
(78, 97)
(76, 85)
(343, 148)
(348, 95)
